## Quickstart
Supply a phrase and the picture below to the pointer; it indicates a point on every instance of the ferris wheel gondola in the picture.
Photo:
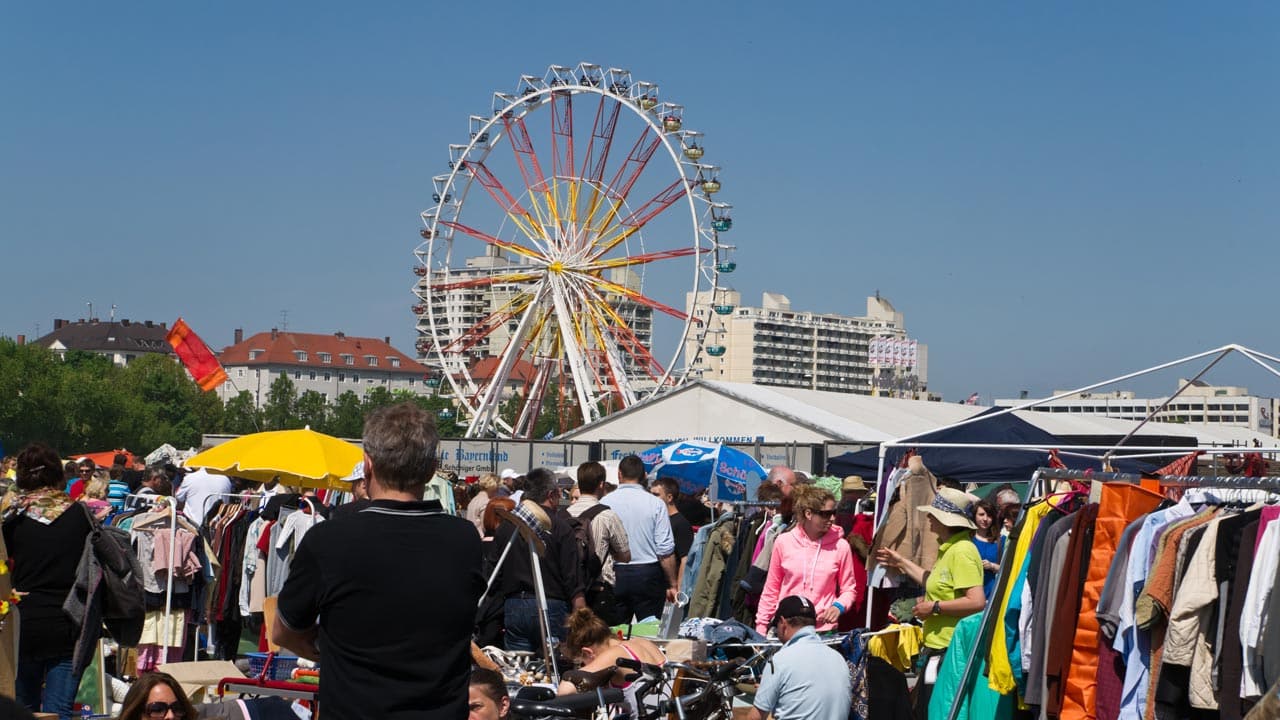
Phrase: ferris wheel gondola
(552, 267)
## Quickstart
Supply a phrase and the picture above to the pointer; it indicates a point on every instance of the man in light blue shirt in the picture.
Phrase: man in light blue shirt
(805, 679)
(645, 583)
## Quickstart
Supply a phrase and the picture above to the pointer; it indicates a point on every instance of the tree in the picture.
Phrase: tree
(442, 409)
(30, 392)
(313, 411)
(240, 416)
(280, 412)
(377, 398)
(168, 407)
(347, 418)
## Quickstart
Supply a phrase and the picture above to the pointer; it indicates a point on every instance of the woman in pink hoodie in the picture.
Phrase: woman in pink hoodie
(811, 560)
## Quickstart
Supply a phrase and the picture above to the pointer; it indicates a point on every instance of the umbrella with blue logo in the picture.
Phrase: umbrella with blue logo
(697, 465)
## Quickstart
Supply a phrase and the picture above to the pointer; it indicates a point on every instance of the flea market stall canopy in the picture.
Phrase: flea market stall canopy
(951, 452)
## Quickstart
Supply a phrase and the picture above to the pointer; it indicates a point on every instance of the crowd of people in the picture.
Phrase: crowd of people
(385, 595)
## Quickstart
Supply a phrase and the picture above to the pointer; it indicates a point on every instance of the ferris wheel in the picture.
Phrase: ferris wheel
(558, 274)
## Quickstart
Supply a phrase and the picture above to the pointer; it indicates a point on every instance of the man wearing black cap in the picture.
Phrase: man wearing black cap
(805, 679)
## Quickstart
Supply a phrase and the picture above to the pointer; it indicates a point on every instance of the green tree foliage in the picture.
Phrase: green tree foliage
(313, 411)
(240, 416)
(347, 418)
(84, 403)
(280, 412)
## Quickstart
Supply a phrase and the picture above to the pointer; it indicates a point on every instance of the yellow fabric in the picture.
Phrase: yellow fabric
(900, 648)
(958, 568)
(153, 628)
(999, 672)
(297, 457)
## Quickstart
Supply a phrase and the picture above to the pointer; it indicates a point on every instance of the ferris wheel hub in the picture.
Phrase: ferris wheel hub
(556, 267)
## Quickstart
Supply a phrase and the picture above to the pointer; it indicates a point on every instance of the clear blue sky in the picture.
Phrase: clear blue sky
(1052, 195)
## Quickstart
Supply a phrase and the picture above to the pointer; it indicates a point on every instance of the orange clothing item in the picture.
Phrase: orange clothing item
(1121, 504)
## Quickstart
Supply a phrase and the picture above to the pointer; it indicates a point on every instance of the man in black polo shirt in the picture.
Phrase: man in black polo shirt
(386, 598)
(561, 566)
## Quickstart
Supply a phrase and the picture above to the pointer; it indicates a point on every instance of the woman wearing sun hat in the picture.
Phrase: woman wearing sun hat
(952, 588)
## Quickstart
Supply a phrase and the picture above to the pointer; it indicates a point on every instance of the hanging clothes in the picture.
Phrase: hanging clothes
(904, 529)
(1119, 505)
(977, 700)
(715, 558)
(1001, 669)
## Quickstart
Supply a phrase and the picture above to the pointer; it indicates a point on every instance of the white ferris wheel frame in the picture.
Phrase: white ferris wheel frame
(537, 94)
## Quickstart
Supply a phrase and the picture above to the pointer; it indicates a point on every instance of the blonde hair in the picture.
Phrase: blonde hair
(488, 482)
(96, 488)
(810, 497)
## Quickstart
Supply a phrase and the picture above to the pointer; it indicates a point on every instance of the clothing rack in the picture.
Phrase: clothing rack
(172, 505)
(253, 500)
(990, 613)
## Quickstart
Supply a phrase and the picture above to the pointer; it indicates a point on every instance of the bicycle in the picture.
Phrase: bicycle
(712, 701)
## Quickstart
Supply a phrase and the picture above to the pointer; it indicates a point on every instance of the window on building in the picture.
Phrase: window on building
(355, 378)
(297, 375)
(239, 372)
(413, 381)
(327, 377)
(371, 360)
(342, 377)
(325, 357)
(253, 354)
(325, 396)
(395, 361)
(311, 375)
(301, 355)
(348, 359)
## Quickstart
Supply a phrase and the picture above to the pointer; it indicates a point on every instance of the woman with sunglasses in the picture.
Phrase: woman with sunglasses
(156, 696)
(812, 560)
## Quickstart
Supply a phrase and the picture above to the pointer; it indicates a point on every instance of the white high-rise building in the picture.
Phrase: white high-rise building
(1197, 403)
(462, 309)
(775, 345)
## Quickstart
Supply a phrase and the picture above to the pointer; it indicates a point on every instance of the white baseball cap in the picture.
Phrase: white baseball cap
(509, 474)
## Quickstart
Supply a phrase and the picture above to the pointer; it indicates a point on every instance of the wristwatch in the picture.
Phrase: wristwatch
(937, 607)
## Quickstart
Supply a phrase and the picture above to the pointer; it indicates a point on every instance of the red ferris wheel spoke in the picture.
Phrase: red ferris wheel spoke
(625, 335)
(486, 281)
(503, 197)
(516, 248)
(562, 164)
(632, 260)
(530, 169)
(627, 175)
(529, 339)
(473, 335)
(602, 130)
(642, 215)
(637, 296)
(597, 157)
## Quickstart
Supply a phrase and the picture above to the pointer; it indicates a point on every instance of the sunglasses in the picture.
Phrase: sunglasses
(86, 471)
(157, 710)
(824, 514)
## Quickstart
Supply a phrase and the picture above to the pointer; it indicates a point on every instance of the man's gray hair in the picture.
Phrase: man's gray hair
(539, 484)
(401, 442)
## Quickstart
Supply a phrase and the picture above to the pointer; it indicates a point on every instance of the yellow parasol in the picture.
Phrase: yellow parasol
(298, 457)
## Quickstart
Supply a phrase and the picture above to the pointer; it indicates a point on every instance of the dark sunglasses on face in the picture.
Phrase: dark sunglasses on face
(825, 514)
(86, 471)
(157, 710)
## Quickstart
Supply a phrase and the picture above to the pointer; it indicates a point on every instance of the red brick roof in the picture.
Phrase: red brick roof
(282, 348)
(485, 368)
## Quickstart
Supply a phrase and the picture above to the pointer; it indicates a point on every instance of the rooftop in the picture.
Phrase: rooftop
(94, 335)
(314, 350)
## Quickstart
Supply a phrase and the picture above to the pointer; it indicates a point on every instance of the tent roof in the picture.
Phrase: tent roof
(840, 417)
(966, 464)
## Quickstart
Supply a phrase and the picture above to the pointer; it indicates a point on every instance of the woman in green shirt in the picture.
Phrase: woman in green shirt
(952, 588)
